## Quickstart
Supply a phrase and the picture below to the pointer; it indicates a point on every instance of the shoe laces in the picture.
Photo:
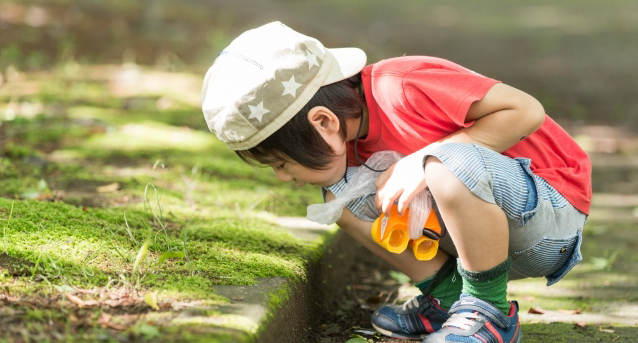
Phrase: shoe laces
(413, 302)
(463, 321)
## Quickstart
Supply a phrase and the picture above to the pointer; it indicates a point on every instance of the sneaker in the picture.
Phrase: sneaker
(415, 319)
(476, 320)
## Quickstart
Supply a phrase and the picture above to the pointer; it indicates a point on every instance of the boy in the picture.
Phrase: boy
(512, 188)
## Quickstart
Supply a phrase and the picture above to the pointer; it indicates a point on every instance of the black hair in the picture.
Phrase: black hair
(298, 140)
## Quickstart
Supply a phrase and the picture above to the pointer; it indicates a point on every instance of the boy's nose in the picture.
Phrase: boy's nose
(283, 176)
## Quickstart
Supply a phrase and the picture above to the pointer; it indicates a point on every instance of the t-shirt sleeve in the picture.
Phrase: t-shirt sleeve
(445, 94)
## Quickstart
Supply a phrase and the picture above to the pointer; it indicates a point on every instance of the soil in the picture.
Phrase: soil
(370, 287)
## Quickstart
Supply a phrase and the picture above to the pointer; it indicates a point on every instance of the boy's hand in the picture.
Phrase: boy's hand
(402, 181)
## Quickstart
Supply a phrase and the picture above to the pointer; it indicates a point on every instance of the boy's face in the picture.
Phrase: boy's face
(327, 125)
(291, 171)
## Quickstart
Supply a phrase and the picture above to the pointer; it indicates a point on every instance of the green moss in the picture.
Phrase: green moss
(211, 207)
(559, 332)
(277, 298)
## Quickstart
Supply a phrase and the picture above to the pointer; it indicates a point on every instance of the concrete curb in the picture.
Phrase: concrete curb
(280, 309)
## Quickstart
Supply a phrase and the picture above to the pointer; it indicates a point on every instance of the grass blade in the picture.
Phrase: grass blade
(169, 255)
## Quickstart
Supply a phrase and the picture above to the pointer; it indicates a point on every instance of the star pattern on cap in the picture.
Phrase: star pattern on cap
(257, 111)
(290, 87)
(312, 59)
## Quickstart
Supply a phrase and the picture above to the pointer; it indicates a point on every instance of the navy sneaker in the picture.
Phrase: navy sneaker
(415, 319)
(475, 320)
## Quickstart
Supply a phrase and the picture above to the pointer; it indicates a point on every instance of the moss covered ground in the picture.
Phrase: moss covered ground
(97, 177)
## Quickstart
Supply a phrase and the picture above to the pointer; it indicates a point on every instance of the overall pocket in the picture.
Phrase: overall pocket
(545, 257)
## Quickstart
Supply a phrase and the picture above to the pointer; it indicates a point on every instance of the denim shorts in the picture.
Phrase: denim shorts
(545, 229)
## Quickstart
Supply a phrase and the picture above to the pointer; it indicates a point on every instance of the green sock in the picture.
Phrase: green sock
(445, 285)
(489, 285)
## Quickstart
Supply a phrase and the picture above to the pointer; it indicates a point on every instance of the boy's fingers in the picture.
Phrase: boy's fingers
(388, 201)
(408, 195)
(404, 201)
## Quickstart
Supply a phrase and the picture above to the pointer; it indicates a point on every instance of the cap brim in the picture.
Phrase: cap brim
(347, 62)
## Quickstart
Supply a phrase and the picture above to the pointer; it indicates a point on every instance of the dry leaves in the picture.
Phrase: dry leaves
(601, 329)
(105, 321)
(580, 324)
(536, 310)
(75, 299)
(569, 311)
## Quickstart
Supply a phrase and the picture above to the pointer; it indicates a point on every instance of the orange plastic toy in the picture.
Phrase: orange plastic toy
(392, 234)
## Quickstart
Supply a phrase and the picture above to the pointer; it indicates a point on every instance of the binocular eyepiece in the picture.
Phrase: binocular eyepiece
(392, 234)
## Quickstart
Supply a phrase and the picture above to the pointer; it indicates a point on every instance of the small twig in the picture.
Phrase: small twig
(388, 296)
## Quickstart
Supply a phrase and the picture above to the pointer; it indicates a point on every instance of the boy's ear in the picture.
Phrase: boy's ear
(323, 120)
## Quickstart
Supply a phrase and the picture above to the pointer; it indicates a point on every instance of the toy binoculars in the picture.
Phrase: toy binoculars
(392, 234)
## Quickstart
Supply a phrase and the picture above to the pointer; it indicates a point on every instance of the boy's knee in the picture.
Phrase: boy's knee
(445, 187)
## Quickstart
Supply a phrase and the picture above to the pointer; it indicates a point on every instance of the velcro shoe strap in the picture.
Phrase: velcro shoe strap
(484, 308)
(432, 314)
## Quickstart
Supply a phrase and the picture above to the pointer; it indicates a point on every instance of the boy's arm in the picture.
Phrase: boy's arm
(504, 116)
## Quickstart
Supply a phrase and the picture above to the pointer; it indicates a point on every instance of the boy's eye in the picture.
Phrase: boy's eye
(279, 167)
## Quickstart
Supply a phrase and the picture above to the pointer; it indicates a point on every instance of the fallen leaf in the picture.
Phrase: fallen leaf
(117, 326)
(110, 188)
(536, 310)
(151, 300)
(104, 319)
(75, 299)
(528, 298)
(581, 324)
(73, 318)
(43, 196)
(606, 330)
(238, 298)
(569, 311)
(91, 302)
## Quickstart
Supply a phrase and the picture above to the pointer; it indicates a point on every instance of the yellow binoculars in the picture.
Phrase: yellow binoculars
(392, 234)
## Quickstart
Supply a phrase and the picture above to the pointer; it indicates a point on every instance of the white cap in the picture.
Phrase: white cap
(266, 76)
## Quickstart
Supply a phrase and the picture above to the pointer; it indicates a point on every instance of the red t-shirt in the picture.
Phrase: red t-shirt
(416, 100)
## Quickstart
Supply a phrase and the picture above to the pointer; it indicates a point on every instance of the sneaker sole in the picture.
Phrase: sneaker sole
(399, 335)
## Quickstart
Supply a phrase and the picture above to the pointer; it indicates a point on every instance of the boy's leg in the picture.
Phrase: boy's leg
(438, 279)
(480, 232)
(475, 198)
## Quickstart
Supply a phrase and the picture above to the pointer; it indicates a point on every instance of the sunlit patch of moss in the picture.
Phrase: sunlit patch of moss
(151, 136)
(96, 244)
(180, 116)
(229, 321)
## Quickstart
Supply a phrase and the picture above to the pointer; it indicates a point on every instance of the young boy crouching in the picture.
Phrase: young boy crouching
(511, 186)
